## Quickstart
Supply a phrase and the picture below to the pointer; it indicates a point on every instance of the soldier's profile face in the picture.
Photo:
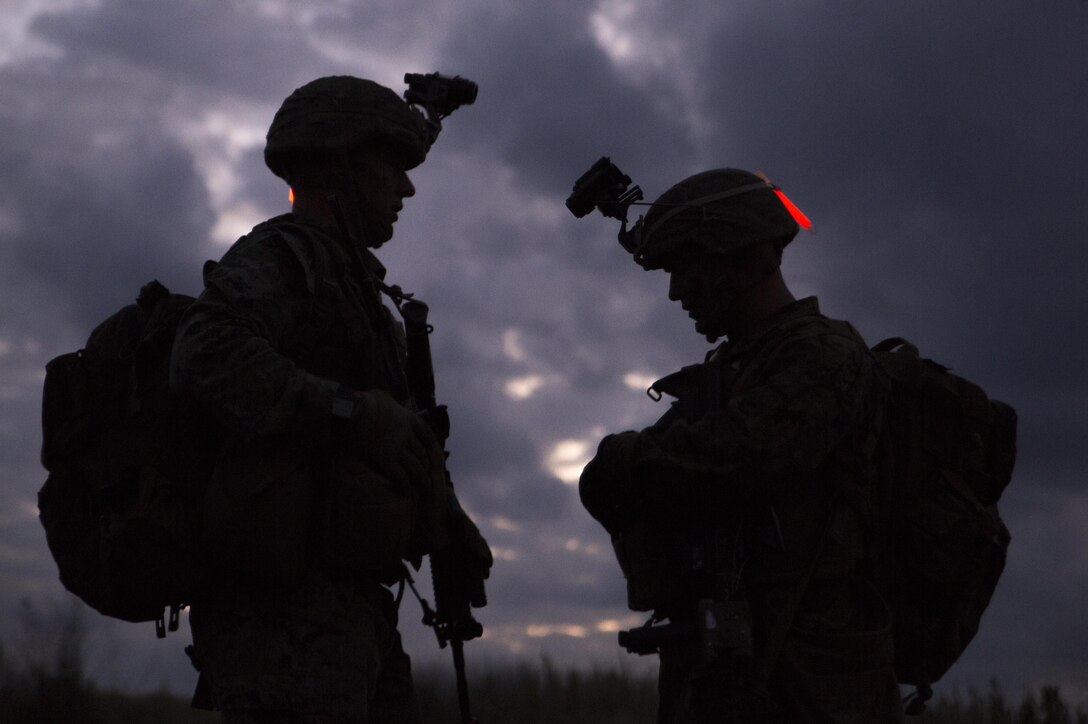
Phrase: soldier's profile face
(707, 286)
(382, 184)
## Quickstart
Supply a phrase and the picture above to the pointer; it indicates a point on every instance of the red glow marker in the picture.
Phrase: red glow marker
(798, 215)
(290, 194)
(795, 212)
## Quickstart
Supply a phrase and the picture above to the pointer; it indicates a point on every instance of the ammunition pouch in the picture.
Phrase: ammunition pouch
(848, 674)
(259, 510)
(370, 523)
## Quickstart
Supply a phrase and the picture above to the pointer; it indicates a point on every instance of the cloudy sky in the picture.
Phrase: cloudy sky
(938, 146)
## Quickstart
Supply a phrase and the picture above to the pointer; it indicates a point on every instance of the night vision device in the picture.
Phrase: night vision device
(608, 189)
(440, 95)
(605, 188)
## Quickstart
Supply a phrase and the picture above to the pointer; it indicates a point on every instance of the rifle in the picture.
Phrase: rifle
(456, 588)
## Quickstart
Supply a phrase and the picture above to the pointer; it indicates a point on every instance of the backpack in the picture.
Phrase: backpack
(946, 455)
(127, 461)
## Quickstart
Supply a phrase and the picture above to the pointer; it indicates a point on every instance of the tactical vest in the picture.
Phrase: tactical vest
(274, 508)
(354, 339)
(669, 567)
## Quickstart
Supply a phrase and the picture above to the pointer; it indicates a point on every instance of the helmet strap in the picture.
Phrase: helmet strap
(349, 208)
(701, 202)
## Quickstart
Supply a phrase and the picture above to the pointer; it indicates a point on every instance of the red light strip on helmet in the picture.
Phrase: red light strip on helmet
(795, 212)
(799, 216)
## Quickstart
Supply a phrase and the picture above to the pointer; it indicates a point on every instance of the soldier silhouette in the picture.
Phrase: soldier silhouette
(327, 478)
(741, 517)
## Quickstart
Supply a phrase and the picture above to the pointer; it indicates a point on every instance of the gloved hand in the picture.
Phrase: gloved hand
(605, 484)
(477, 560)
(392, 439)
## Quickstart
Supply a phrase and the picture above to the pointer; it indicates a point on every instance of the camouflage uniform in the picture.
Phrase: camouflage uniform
(768, 459)
(287, 317)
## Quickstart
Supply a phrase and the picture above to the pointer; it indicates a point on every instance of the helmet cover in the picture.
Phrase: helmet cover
(723, 210)
(335, 115)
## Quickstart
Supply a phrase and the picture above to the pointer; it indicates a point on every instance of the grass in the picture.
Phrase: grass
(50, 687)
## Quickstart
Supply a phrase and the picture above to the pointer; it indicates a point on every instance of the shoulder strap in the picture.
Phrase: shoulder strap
(893, 343)
(776, 639)
(777, 338)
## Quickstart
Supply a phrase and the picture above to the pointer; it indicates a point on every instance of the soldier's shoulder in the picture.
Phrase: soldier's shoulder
(810, 340)
(286, 244)
(834, 339)
(806, 321)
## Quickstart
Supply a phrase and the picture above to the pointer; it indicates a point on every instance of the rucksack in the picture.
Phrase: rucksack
(947, 454)
(128, 460)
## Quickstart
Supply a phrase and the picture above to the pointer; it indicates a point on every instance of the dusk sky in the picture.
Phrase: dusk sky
(938, 147)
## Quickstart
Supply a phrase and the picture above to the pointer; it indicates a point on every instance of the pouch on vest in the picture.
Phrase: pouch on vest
(651, 567)
(371, 521)
(259, 510)
(840, 676)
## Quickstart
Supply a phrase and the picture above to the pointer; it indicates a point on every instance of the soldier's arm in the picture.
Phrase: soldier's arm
(816, 391)
(230, 349)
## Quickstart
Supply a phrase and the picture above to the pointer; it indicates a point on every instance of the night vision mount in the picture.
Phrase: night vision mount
(605, 188)
(439, 96)
(608, 189)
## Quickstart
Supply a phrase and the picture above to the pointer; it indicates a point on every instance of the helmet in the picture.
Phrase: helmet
(331, 116)
(724, 210)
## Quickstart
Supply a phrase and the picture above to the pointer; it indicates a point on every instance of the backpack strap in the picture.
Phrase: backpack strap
(776, 639)
(893, 343)
(765, 662)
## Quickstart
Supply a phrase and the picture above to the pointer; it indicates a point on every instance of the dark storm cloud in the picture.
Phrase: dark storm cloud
(190, 44)
(102, 250)
(553, 104)
(90, 177)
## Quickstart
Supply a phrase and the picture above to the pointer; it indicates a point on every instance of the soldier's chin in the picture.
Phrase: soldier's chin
(378, 236)
(711, 333)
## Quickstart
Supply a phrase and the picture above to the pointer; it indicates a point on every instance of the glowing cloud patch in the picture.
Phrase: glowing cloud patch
(522, 388)
(612, 625)
(610, 37)
(511, 345)
(505, 524)
(234, 221)
(567, 459)
(538, 631)
(504, 554)
(638, 380)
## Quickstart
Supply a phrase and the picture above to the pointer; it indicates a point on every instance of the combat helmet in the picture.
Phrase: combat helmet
(331, 116)
(724, 210)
